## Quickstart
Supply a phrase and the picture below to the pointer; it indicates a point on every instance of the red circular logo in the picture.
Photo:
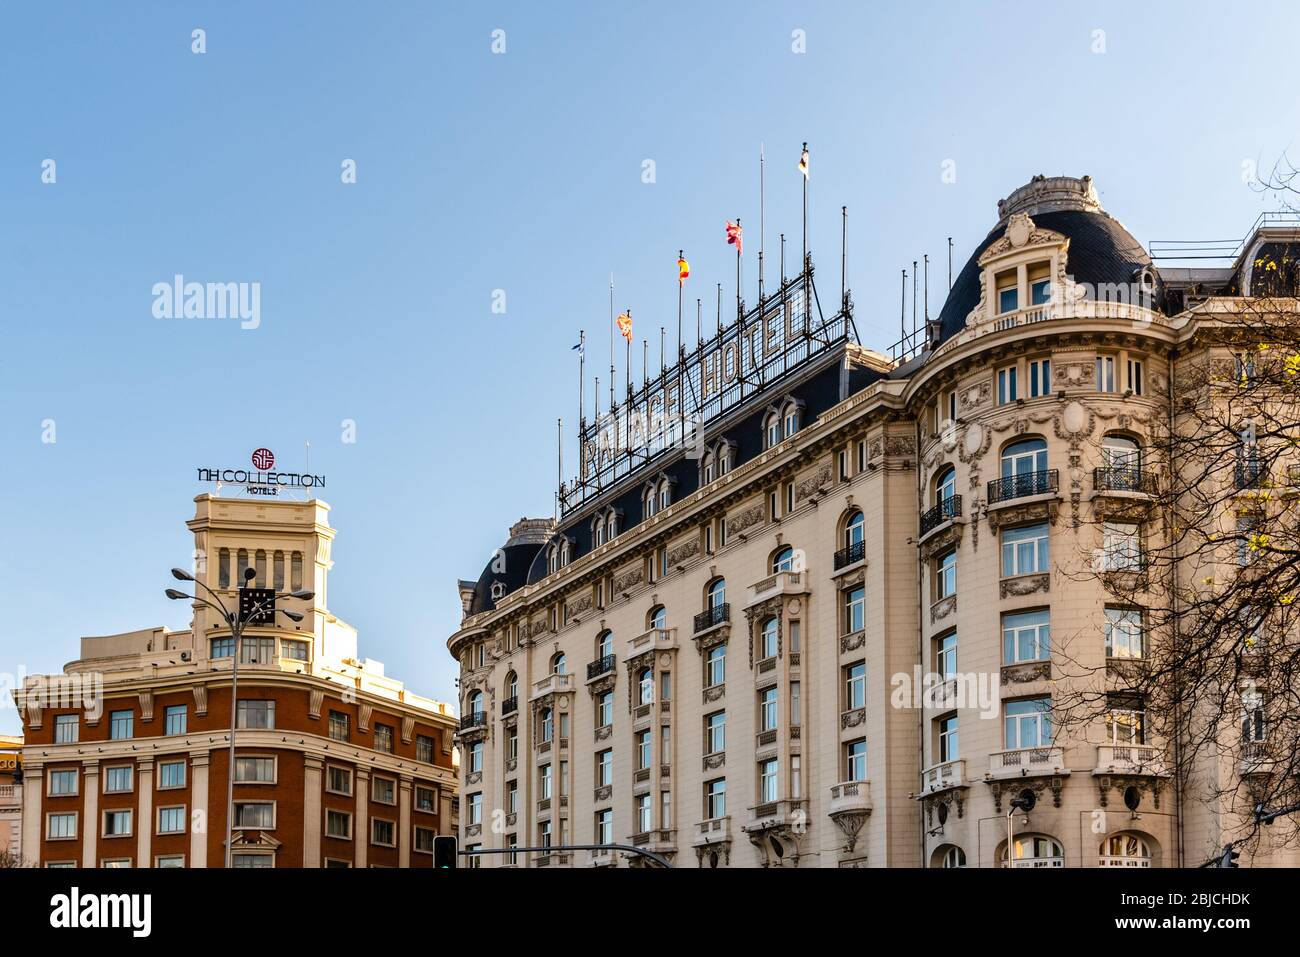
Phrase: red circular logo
(263, 459)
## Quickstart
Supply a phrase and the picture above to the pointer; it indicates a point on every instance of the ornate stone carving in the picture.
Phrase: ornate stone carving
(756, 615)
(714, 761)
(1038, 785)
(943, 608)
(1029, 671)
(746, 518)
(474, 777)
(851, 719)
(580, 603)
(200, 699)
(714, 693)
(629, 579)
(814, 483)
(683, 551)
(604, 792)
(852, 642)
(1022, 514)
(942, 541)
(315, 702)
(1145, 783)
(603, 733)
(1024, 585)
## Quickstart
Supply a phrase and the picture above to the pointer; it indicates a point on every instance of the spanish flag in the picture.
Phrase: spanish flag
(683, 270)
(625, 325)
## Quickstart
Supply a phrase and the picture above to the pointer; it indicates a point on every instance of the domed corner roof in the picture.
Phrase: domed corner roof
(509, 567)
(1101, 252)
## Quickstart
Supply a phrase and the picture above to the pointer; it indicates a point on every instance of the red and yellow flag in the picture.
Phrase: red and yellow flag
(683, 270)
(735, 237)
(625, 326)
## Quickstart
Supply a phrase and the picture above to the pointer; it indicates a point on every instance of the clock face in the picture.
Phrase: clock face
(257, 606)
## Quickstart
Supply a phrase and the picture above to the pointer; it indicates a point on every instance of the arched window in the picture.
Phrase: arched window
(953, 856)
(1034, 850)
(241, 563)
(557, 663)
(724, 458)
(657, 618)
(474, 704)
(649, 505)
(645, 683)
(548, 724)
(512, 685)
(1125, 850)
(945, 485)
(773, 430)
(706, 468)
(1024, 470)
(564, 553)
(611, 527)
(854, 529)
(223, 568)
(783, 560)
(717, 593)
(769, 638)
(791, 419)
(1121, 457)
(598, 532)
(605, 644)
(259, 562)
(295, 570)
(277, 564)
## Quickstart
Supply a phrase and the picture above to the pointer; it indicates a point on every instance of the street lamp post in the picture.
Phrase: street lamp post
(236, 621)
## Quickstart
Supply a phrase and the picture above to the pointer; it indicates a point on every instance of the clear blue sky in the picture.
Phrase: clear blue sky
(476, 172)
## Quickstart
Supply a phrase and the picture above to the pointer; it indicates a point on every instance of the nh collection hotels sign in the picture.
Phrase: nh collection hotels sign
(760, 348)
(261, 479)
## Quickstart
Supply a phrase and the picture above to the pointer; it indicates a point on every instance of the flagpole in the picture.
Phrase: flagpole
(559, 465)
(628, 339)
(804, 264)
(681, 349)
(739, 308)
(645, 362)
(582, 363)
(699, 333)
(611, 342)
(719, 329)
(762, 223)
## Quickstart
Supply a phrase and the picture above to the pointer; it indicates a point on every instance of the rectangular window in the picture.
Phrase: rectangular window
(338, 780)
(716, 666)
(222, 648)
(260, 814)
(605, 827)
(512, 745)
(1121, 548)
(1008, 298)
(948, 738)
(715, 732)
(1024, 550)
(424, 798)
(63, 783)
(60, 827)
(118, 780)
(945, 575)
(338, 824)
(1025, 636)
(643, 813)
(1135, 377)
(474, 807)
(643, 745)
(1040, 292)
(383, 790)
(176, 719)
(65, 728)
(171, 820)
(384, 738)
(293, 650)
(795, 638)
(855, 609)
(1040, 378)
(476, 756)
(855, 760)
(255, 714)
(381, 832)
(862, 454)
(715, 798)
(171, 860)
(1008, 390)
(424, 840)
(1124, 633)
(767, 780)
(1027, 723)
(1125, 720)
(945, 659)
(767, 710)
(544, 787)
(117, 823)
(605, 710)
(855, 686)
(338, 726)
(665, 809)
(122, 725)
(424, 748)
(258, 650)
(1105, 373)
(254, 770)
(795, 705)
(604, 768)
(171, 774)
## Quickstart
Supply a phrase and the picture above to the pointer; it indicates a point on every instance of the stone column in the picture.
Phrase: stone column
(33, 811)
(311, 812)
(89, 813)
(361, 820)
(144, 826)
(404, 821)
(200, 822)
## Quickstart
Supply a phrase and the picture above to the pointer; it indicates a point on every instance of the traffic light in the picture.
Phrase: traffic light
(445, 852)
(1229, 856)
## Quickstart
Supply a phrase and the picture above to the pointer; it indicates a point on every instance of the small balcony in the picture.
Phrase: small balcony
(779, 583)
(712, 618)
(851, 555)
(941, 777)
(475, 719)
(656, 639)
(1024, 485)
(1257, 758)
(1250, 475)
(601, 666)
(552, 684)
(850, 797)
(948, 509)
(1027, 762)
(1130, 759)
(1124, 479)
(774, 814)
(510, 705)
(716, 830)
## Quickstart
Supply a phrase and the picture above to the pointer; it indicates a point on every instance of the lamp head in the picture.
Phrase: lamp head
(181, 575)
(175, 595)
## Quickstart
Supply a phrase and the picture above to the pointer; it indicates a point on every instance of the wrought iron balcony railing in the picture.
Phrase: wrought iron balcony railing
(510, 705)
(947, 509)
(853, 553)
(600, 666)
(1022, 485)
(475, 719)
(1249, 475)
(713, 616)
(1123, 478)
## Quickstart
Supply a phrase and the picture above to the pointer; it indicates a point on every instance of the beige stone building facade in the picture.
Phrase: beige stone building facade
(831, 633)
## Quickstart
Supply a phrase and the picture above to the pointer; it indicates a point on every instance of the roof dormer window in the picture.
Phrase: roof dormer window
(1008, 292)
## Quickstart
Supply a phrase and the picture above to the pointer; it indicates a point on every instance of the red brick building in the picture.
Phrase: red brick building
(126, 755)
